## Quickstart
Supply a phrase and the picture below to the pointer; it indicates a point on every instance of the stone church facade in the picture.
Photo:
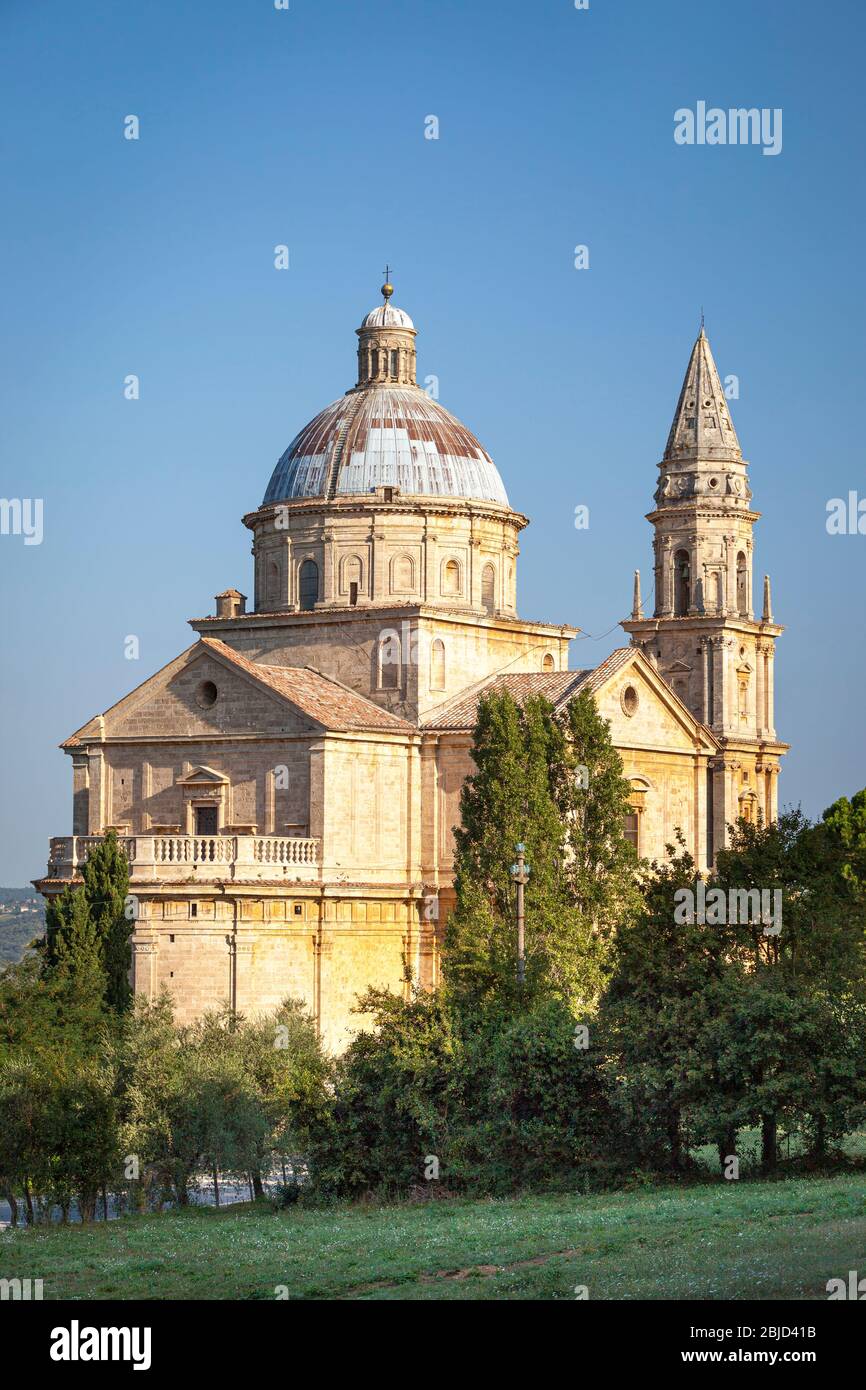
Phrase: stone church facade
(286, 789)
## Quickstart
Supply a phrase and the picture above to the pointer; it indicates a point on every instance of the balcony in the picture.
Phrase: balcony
(197, 858)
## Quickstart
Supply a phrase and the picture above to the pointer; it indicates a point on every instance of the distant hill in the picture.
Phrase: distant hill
(18, 928)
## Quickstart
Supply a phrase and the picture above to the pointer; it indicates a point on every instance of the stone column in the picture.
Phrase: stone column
(720, 778)
(721, 712)
(431, 551)
(658, 578)
(317, 967)
(731, 567)
(378, 561)
(700, 823)
(329, 578)
(270, 801)
(774, 792)
(732, 805)
(667, 595)
(290, 580)
(473, 579)
(144, 962)
(696, 585)
(80, 793)
(316, 818)
(429, 757)
(413, 812)
(759, 688)
(146, 793)
(96, 798)
(242, 995)
(771, 726)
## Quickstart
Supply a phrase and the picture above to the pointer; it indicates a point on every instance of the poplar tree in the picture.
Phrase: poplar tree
(552, 782)
(505, 802)
(593, 798)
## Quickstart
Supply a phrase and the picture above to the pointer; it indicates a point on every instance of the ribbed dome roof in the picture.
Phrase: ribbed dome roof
(387, 316)
(391, 436)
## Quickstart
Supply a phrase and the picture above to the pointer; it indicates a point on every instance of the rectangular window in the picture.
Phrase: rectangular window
(630, 828)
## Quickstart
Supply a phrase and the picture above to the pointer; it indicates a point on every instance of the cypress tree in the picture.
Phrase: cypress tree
(106, 887)
(99, 903)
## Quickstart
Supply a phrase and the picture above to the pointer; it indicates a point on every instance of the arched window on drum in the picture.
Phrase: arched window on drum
(437, 665)
(308, 585)
(488, 589)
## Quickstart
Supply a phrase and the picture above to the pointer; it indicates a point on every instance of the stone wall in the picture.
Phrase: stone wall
(253, 952)
(416, 550)
(388, 654)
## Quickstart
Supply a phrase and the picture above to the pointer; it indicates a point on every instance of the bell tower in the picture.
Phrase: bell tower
(704, 636)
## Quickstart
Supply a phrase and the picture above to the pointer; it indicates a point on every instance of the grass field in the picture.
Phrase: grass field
(766, 1240)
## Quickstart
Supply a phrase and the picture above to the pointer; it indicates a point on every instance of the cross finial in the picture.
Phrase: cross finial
(702, 318)
(387, 288)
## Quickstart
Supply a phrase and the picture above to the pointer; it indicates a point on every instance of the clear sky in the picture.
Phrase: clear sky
(305, 127)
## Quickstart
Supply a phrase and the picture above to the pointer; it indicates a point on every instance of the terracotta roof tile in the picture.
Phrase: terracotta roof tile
(557, 686)
(325, 700)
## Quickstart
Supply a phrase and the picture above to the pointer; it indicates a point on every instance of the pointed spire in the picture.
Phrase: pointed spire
(637, 606)
(702, 426)
(768, 603)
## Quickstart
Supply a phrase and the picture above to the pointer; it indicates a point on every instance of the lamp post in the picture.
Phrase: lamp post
(520, 874)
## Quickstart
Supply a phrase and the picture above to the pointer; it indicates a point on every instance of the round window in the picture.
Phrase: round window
(630, 700)
(206, 695)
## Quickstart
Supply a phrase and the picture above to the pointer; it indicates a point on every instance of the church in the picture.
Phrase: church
(286, 789)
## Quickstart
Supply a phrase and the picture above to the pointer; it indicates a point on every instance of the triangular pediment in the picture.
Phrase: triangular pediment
(200, 695)
(202, 776)
(643, 710)
(212, 690)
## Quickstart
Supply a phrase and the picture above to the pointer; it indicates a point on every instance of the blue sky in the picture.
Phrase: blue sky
(306, 127)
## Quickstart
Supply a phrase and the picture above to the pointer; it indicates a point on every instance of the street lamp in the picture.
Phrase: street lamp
(520, 874)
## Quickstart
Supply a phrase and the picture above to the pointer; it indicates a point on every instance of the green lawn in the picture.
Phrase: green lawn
(766, 1240)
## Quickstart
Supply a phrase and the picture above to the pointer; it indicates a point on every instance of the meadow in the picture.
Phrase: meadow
(768, 1240)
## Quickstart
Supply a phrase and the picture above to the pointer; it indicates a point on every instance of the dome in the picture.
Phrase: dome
(387, 316)
(385, 436)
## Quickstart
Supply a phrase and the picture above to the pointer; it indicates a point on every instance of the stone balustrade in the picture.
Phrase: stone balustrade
(206, 858)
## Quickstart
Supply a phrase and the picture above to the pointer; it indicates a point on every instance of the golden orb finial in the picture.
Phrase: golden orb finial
(387, 288)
